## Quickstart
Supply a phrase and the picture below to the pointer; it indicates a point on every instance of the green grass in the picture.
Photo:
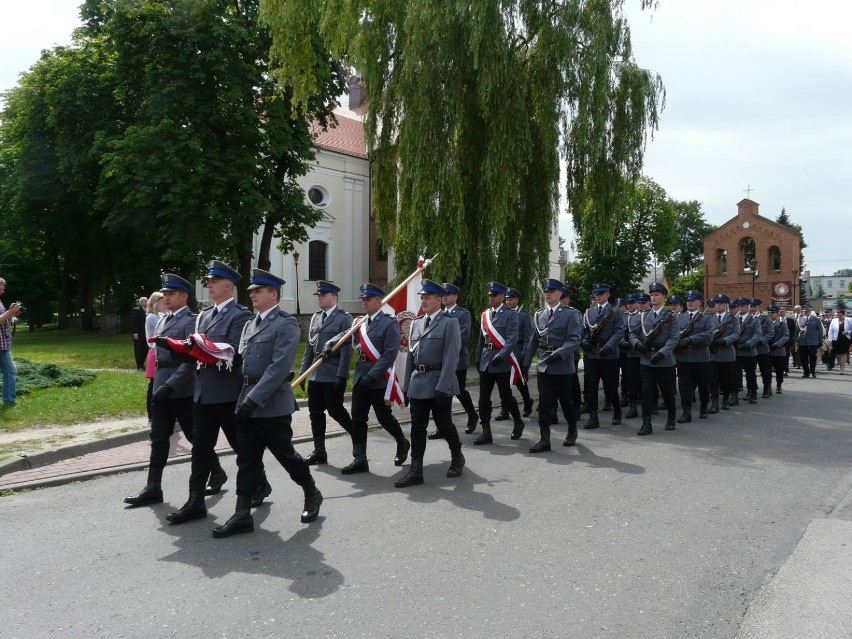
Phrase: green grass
(74, 347)
(111, 395)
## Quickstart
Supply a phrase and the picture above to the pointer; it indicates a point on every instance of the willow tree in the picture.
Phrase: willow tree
(471, 105)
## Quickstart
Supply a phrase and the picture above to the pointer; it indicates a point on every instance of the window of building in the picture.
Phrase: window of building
(748, 252)
(843, 285)
(318, 196)
(774, 258)
(721, 261)
(317, 260)
(829, 284)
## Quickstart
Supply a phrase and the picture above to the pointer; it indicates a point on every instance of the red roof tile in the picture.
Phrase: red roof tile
(347, 137)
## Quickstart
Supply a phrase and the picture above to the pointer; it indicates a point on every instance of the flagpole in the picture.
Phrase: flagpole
(386, 299)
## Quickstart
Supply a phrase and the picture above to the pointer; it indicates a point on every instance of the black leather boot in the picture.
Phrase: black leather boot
(472, 421)
(752, 396)
(518, 430)
(152, 493)
(725, 405)
(592, 422)
(218, 477)
(413, 477)
(571, 437)
(359, 463)
(528, 407)
(702, 410)
(686, 416)
(778, 390)
(543, 444)
(616, 415)
(240, 522)
(456, 463)
(317, 457)
(607, 406)
(714, 405)
(670, 422)
(402, 448)
(435, 434)
(767, 392)
(646, 428)
(264, 490)
(735, 399)
(313, 500)
(194, 507)
(502, 416)
(485, 437)
(631, 411)
(624, 401)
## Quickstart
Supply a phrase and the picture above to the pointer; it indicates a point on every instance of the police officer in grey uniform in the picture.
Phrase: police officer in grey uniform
(750, 336)
(764, 361)
(557, 331)
(693, 356)
(513, 303)
(723, 358)
(431, 382)
(174, 383)
(632, 368)
(217, 387)
(778, 345)
(266, 403)
(809, 339)
(603, 329)
(452, 309)
(655, 338)
(494, 364)
(327, 383)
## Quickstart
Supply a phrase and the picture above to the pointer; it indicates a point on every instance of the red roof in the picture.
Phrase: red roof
(347, 137)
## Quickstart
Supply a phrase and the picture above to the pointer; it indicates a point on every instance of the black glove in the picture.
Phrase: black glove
(302, 384)
(356, 387)
(605, 351)
(744, 347)
(442, 399)
(549, 359)
(719, 343)
(496, 359)
(340, 384)
(405, 400)
(246, 409)
(327, 350)
(587, 346)
(642, 348)
(290, 376)
(162, 394)
(656, 358)
(686, 341)
(624, 345)
(526, 375)
(163, 342)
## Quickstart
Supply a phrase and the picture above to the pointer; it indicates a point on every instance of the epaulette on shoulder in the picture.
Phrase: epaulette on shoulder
(242, 308)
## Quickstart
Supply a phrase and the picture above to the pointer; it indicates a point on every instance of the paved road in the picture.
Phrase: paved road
(735, 526)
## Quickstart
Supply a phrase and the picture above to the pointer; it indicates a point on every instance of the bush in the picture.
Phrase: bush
(32, 376)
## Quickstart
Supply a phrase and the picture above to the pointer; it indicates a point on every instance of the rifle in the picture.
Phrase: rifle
(648, 338)
(690, 327)
(593, 338)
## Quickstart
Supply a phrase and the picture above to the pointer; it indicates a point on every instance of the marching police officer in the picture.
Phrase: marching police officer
(513, 303)
(217, 387)
(557, 331)
(764, 361)
(377, 340)
(494, 353)
(603, 329)
(431, 382)
(631, 366)
(723, 369)
(778, 345)
(655, 338)
(327, 383)
(452, 309)
(174, 383)
(693, 356)
(750, 336)
(266, 403)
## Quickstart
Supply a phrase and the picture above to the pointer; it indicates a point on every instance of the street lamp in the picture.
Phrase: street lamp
(795, 281)
(754, 274)
(296, 264)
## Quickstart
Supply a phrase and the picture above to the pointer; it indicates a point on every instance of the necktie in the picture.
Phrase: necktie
(428, 319)
(550, 317)
(257, 321)
(215, 312)
(324, 316)
(691, 315)
(720, 318)
(369, 319)
(493, 314)
(169, 318)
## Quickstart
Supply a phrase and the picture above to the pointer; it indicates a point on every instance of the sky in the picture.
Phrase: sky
(758, 95)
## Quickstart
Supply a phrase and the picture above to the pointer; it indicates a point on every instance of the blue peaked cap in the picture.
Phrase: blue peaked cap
(428, 286)
(259, 278)
(172, 282)
(371, 289)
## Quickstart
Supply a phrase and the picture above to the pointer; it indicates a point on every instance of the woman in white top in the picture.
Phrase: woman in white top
(153, 311)
(839, 332)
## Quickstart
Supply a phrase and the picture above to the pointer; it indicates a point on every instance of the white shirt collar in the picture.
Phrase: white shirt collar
(450, 308)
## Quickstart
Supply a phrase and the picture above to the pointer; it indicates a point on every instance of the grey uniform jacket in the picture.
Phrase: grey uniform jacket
(766, 334)
(701, 333)
(750, 335)
(180, 379)
(610, 335)
(631, 322)
(216, 384)
(505, 322)
(437, 345)
(319, 332)
(663, 342)
(524, 331)
(779, 339)
(810, 331)
(268, 353)
(463, 317)
(559, 335)
(384, 334)
(727, 329)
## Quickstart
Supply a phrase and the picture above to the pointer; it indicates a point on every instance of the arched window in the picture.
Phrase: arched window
(317, 260)
(774, 258)
(748, 252)
(721, 261)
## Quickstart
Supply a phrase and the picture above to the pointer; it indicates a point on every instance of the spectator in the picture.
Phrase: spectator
(137, 327)
(153, 310)
(7, 364)
(839, 332)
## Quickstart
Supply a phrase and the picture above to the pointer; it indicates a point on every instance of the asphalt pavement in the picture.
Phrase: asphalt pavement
(738, 526)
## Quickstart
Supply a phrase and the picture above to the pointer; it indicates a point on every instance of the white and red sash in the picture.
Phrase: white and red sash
(393, 392)
(488, 329)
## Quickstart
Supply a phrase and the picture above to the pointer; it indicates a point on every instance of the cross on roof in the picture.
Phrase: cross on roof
(748, 191)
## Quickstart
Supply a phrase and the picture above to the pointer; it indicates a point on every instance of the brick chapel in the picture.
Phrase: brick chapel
(750, 253)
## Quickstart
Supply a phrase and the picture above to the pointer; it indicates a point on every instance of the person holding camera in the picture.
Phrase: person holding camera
(7, 364)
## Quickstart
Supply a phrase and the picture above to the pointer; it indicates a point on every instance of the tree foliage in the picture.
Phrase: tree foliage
(693, 281)
(691, 228)
(784, 220)
(470, 105)
(843, 272)
(646, 234)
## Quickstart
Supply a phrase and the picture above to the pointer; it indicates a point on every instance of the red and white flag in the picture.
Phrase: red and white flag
(491, 332)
